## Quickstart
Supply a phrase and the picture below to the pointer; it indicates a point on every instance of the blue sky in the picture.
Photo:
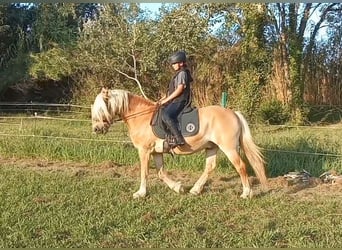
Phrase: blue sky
(153, 7)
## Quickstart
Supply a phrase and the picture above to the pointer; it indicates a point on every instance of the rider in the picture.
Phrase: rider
(178, 95)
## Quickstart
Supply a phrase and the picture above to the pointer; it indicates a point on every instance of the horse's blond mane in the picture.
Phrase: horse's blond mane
(118, 103)
(99, 111)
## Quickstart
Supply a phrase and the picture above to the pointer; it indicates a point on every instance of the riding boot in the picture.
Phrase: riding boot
(176, 133)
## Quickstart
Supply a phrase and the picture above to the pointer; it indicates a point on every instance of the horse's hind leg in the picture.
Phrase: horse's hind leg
(175, 186)
(240, 167)
(210, 164)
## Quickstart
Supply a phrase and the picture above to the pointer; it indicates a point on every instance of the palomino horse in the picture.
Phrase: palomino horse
(220, 128)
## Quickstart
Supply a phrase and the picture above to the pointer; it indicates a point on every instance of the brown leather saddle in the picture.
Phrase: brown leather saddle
(188, 123)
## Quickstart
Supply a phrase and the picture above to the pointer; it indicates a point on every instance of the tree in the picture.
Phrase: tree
(241, 59)
(323, 66)
(292, 24)
(253, 51)
(112, 44)
(15, 19)
(132, 48)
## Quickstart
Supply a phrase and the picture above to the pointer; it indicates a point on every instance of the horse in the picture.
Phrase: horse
(220, 128)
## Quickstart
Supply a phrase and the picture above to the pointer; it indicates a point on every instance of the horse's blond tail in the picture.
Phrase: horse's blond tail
(252, 151)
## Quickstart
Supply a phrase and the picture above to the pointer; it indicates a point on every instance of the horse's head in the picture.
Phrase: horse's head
(100, 112)
(107, 104)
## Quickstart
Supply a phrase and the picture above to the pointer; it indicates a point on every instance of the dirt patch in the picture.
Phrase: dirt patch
(217, 182)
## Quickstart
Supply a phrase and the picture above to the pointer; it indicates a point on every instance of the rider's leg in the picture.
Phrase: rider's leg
(170, 114)
(173, 127)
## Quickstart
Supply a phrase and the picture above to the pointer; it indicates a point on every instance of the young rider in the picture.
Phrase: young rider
(178, 95)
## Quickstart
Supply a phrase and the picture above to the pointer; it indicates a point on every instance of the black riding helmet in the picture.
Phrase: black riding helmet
(178, 57)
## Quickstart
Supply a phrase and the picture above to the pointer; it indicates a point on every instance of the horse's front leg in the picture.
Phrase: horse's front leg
(144, 156)
(159, 161)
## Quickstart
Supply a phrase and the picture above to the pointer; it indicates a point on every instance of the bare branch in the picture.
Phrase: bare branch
(318, 26)
(135, 79)
(305, 19)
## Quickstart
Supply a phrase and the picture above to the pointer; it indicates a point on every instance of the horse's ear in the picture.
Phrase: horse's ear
(105, 93)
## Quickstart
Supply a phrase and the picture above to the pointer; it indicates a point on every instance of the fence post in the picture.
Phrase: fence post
(224, 99)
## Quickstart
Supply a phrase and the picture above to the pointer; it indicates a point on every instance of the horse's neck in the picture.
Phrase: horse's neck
(138, 106)
(138, 117)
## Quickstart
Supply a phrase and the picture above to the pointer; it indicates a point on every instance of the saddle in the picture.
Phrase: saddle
(188, 121)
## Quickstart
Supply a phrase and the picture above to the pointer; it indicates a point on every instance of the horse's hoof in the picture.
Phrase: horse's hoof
(178, 188)
(244, 196)
(138, 195)
(194, 192)
(248, 195)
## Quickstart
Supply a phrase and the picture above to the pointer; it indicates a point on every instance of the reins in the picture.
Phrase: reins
(137, 114)
(144, 112)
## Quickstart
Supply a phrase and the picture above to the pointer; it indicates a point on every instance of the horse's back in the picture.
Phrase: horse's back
(219, 124)
(219, 114)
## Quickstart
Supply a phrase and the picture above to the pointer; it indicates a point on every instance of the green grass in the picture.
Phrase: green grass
(315, 149)
(286, 149)
(56, 207)
(60, 140)
(62, 209)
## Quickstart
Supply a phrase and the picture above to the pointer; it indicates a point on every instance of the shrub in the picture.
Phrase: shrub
(274, 112)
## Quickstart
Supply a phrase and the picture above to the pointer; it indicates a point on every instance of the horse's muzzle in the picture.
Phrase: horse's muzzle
(100, 128)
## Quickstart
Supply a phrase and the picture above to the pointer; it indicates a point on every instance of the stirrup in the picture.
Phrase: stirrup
(169, 143)
(179, 141)
(173, 144)
(167, 148)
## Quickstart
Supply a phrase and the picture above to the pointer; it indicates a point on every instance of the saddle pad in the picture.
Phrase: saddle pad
(189, 123)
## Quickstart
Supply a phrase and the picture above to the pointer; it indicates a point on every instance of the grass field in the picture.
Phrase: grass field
(64, 187)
